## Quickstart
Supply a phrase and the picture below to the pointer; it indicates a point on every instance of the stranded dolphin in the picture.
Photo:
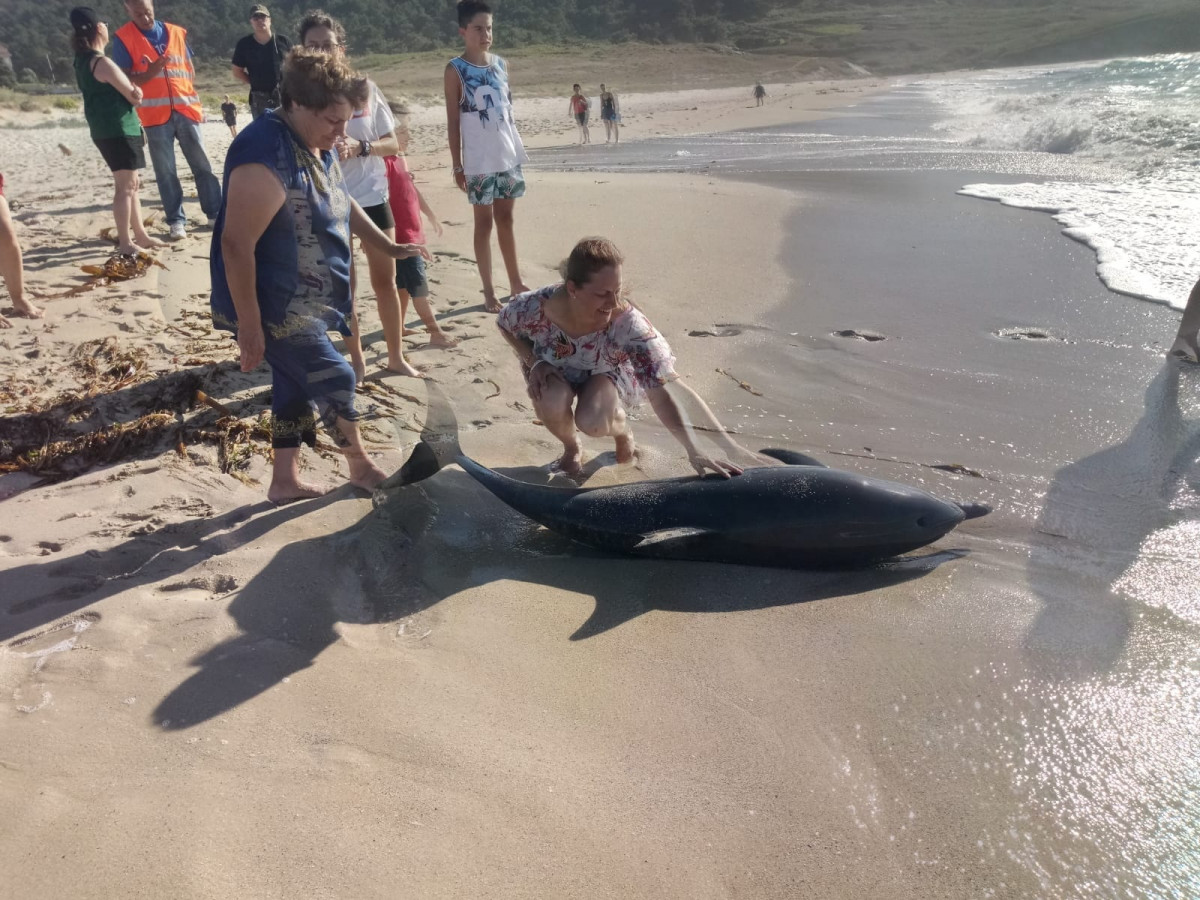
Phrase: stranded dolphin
(802, 514)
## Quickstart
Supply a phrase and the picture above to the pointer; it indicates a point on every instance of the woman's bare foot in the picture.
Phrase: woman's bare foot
(289, 491)
(570, 463)
(359, 365)
(4, 323)
(626, 449)
(364, 473)
(519, 288)
(490, 303)
(130, 249)
(409, 332)
(1186, 348)
(148, 243)
(403, 367)
(442, 340)
(27, 310)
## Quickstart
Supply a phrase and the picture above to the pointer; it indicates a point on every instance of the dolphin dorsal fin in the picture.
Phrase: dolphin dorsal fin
(793, 458)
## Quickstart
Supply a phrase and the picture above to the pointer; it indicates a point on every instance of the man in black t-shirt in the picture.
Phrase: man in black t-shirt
(257, 59)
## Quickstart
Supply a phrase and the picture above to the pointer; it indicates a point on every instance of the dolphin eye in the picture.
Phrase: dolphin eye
(922, 522)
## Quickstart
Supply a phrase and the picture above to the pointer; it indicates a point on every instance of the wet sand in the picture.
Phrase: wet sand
(423, 693)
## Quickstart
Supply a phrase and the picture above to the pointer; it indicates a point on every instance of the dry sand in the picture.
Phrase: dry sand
(422, 694)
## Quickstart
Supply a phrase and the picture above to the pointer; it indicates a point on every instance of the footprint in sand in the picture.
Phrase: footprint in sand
(723, 332)
(860, 335)
(1026, 334)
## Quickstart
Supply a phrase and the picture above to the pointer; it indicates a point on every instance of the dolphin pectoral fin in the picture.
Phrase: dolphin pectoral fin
(792, 458)
(669, 535)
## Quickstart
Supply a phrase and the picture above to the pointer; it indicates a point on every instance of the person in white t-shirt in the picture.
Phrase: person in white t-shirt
(370, 136)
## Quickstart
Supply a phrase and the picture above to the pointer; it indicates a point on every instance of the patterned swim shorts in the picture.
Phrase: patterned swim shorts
(483, 189)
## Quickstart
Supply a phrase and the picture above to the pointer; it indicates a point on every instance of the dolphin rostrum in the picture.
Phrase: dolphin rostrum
(802, 514)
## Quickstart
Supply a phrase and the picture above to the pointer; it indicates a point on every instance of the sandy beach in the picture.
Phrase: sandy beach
(422, 693)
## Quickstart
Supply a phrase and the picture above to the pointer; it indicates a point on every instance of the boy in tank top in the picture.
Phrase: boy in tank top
(485, 147)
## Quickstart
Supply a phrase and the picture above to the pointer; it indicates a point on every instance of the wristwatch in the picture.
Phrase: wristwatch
(365, 149)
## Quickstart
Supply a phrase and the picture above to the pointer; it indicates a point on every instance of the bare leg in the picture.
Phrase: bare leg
(286, 484)
(600, 414)
(483, 255)
(1186, 344)
(554, 409)
(382, 269)
(437, 337)
(136, 225)
(11, 266)
(506, 238)
(354, 345)
(363, 473)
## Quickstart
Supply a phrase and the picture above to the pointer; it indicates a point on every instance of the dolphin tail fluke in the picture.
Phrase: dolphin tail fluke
(792, 458)
(974, 510)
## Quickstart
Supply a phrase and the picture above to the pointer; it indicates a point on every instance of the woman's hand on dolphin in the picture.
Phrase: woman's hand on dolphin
(722, 467)
(252, 345)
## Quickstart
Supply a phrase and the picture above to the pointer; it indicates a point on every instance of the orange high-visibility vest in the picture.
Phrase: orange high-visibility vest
(171, 90)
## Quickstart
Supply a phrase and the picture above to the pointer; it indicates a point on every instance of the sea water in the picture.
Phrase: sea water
(1111, 149)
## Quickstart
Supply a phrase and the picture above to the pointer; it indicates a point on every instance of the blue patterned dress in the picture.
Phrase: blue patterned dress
(302, 278)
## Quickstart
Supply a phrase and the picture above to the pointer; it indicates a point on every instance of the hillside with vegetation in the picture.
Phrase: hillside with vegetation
(882, 36)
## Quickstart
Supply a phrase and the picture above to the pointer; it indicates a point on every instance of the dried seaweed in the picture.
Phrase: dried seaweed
(118, 267)
(742, 384)
(104, 366)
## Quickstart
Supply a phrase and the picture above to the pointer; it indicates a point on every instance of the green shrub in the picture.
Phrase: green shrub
(28, 105)
(68, 103)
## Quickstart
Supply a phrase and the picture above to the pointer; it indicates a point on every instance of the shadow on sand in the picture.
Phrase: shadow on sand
(433, 534)
(1096, 518)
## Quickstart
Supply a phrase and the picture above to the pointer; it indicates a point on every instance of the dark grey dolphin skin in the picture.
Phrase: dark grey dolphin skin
(801, 515)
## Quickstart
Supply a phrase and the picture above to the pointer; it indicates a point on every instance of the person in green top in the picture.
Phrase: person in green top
(108, 101)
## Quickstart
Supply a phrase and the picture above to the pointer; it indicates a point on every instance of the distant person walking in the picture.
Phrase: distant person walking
(1187, 340)
(12, 268)
(610, 114)
(760, 94)
(485, 148)
(257, 59)
(156, 57)
(579, 112)
(108, 101)
(229, 114)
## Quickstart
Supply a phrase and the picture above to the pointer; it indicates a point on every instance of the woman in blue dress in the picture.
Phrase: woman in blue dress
(281, 263)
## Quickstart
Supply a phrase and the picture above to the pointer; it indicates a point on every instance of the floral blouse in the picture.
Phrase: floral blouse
(629, 351)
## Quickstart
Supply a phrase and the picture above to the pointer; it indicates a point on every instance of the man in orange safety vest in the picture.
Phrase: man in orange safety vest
(156, 57)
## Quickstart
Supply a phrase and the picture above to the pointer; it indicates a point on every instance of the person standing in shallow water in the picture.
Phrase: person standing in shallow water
(610, 114)
(280, 263)
(1187, 339)
(588, 354)
(578, 109)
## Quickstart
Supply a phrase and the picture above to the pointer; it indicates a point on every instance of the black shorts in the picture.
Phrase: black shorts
(122, 153)
(581, 118)
(410, 276)
(381, 215)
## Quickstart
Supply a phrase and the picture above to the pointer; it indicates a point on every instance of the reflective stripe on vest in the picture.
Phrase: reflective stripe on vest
(172, 90)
